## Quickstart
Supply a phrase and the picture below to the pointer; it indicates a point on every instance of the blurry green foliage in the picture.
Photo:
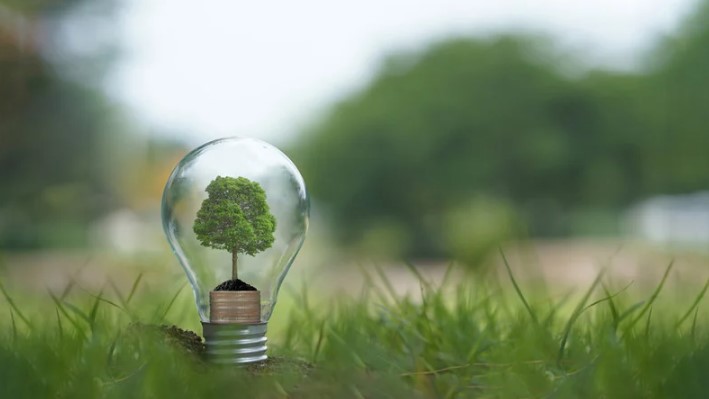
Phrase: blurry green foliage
(471, 231)
(50, 132)
(677, 103)
(63, 145)
(504, 118)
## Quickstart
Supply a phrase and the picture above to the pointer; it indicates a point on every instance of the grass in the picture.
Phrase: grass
(472, 336)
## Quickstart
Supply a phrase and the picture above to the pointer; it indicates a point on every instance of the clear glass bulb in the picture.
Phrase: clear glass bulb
(287, 201)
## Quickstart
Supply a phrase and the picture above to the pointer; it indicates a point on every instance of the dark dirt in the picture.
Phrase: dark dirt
(188, 340)
(235, 285)
(183, 339)
(193, 344)
(277, 364)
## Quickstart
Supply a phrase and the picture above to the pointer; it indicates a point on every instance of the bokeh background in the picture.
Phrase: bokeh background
(426, 131)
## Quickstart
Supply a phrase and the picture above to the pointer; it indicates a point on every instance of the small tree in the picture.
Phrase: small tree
(235, 217)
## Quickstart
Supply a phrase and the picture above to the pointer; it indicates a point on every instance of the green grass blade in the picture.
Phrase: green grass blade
(447, 274)
(122, 301)
(653, 297)
(346, 348)
(696, 302)
(14, 327)
(67, 290)
(118, 293)
(555, 308)
(112, 351)
(103, 298)
(78, 312)
(59, 324)
(94, 309)
(72, 280)
(14, 307)
(172, 301)
(417, 273)
(518, 290)
(647, 324)
(59, 305)
(369, 282)
(611, 305)
(387, 283)
(608, 297)
(630, 310)
(134, 287)
(318, 344)
(580, 308)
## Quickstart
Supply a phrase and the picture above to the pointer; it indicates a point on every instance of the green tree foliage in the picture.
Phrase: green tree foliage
(52, 136)
(68, 156)
(677, 104)
(503, 118)
(435, 130)
(235, 217)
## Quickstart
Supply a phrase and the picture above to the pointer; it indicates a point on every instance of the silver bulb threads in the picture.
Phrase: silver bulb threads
(235, 333)
(234, 343)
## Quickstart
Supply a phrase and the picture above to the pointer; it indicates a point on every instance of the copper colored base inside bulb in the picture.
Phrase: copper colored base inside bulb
(235, 307)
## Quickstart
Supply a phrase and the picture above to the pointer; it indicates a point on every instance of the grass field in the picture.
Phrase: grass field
(470, 335)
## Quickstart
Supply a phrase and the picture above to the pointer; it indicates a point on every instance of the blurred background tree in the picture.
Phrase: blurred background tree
(66, 152)
(677, 103)
(472, 133)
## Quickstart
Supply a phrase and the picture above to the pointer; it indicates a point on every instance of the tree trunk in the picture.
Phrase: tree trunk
(234, 272)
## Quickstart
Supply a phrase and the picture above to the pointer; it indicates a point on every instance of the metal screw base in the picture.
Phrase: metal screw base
(235, 343)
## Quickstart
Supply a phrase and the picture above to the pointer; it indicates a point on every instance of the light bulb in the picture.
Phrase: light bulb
(250, 226)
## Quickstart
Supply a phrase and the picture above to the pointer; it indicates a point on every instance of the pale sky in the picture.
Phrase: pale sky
(215, 68)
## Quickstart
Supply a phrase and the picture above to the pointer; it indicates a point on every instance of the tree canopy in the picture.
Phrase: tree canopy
(235, 217)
